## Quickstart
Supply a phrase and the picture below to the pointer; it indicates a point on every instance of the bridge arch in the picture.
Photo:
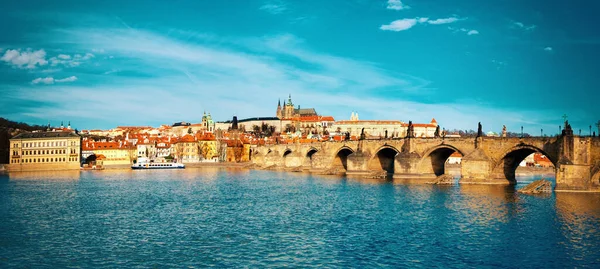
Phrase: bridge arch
(436, 157)
(383, 159)
(512, 157)
(309, 156)
(286, 152)
(340, 159)
(596, 179)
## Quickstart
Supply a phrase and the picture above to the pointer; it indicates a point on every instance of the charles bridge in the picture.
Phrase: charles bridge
(486, 160)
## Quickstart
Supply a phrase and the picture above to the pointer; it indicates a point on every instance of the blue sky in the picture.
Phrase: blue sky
(100, 64)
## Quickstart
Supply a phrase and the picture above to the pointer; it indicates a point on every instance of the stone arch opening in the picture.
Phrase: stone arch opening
(287, 152)
(309, 157)
(439, 158)
(384, 160)
(524, 156)
(341, 158)
(596, 179)
(90, 159)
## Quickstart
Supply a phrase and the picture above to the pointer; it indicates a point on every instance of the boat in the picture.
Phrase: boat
(158, 166)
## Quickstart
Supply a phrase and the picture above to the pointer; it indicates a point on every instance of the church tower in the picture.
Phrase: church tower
(289, 108)
(279, 114)
(204, 123)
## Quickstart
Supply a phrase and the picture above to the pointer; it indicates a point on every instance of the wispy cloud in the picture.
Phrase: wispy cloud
(405, 24)
(464, 30)
(548, 49)
(70, 61)
(396, 5)
(51, 80)
(520, 25)
(274, 7)
(443, 20)
(399, 25)
(27, 58)
(217, 71)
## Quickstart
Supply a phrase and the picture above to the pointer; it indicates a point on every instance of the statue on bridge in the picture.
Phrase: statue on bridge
(437, 132)
(410, 132)
(386, 134)
(479, 131)
(503, 130)
(362, 134)
(567, 130)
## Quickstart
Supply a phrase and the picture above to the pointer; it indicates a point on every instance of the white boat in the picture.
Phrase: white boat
(157, 166)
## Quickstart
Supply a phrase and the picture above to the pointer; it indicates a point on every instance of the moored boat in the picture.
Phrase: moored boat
(158, 166)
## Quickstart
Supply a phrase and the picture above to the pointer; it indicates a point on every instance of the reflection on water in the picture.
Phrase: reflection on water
(203, 217)
(57, 175)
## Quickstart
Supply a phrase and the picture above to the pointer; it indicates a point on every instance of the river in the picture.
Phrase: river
(203, 217)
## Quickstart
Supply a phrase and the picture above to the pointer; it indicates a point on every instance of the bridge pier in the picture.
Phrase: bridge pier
(476, 168)
(320, 162)
(358, 164)
(294, 159)
(408, 166)
(573, 177)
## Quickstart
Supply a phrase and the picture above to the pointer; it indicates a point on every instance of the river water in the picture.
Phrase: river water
(197, 218)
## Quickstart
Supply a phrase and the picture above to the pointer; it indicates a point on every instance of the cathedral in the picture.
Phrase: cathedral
(289, 112)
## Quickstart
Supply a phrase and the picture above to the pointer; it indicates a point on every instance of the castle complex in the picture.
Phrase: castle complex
(288, 111)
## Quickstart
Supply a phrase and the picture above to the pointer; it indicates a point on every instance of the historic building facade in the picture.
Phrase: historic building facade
(382, 128)
(288, 111)
(58, 150)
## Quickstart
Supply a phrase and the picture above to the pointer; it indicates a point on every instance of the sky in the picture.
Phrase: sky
(102, 64)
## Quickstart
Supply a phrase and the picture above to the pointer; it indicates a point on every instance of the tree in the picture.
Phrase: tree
(205, 150)
(256, 129)
(190, 130)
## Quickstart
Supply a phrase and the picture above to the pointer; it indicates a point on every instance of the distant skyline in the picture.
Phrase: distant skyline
(101, 64)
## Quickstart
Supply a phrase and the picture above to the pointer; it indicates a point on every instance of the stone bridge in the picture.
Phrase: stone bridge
(486, 160)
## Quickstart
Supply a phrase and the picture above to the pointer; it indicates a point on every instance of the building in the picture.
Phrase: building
(113, 152)
(58, 150)
(288, 111)
(208, 125)
(186, 149)
(372, 128)
(208, 147)
(249, 123)
(455, 158)
(541, 160)
(382, 128)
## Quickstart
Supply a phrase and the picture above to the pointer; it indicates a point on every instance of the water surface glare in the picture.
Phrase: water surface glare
(238, 218)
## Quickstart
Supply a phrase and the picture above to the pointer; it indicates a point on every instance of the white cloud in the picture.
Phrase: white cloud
(548, 48)
(25, 59)
(68, 61)
(422, 20)
(520, 25)
(51, 80)
(274, 7)
(399, 25)
(46, 80)
(443, 21)
(69, 79)
(396, 5)
(221, 72)
(463, 30)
